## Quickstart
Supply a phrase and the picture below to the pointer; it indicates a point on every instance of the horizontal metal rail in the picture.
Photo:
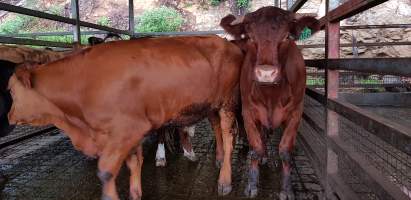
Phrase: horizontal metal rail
(180, 33)
(24, 41)
(60, 33)
(375, 26)
(28, 136)
(370, 44)
(392, 66)
(35, 13)
(197, 32)
(365, 86)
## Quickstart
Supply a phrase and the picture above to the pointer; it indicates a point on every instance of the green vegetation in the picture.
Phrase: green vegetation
(103, 21)
(369, 81)
(12, 26)
(63, 38)
(162, 19)
(242, 3)
(56, 9)
(215, 2)
(315, 81)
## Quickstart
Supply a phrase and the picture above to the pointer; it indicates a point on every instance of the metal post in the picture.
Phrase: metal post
(276, 4)
(75, 15)
(131, 17)
(332, 50)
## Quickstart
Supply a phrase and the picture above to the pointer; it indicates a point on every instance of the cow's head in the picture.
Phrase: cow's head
(6, 71)
(265, 30)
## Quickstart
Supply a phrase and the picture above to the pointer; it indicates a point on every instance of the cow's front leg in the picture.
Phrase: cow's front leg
(134, 163)
(185, 134)
(227, 122)
(255, 154)
(215, 120)
(285, 149)
(114, 153)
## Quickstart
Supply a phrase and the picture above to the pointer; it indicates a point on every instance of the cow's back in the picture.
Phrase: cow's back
(153, 78)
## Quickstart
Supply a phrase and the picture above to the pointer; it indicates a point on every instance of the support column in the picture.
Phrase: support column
(75, 15)
(131, 17)
(332, 45)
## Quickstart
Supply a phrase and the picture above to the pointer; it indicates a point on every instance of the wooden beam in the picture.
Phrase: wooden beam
(348, 9)
(297, 5)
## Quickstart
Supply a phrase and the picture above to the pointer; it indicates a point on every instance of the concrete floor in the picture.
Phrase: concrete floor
(47, 167)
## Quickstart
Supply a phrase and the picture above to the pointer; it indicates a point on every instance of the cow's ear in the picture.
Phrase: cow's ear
(232, 25)
(298, 25)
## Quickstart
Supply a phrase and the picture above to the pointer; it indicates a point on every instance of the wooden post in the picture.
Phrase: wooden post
(75, 15)
(332, 45)
(131, 17)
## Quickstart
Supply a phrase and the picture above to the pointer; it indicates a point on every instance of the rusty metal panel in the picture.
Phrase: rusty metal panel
(394, 134)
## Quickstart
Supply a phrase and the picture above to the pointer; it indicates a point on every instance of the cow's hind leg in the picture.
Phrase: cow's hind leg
(255, 154)
(115, 152)
(134, 163)
(285, 149)
(227, 117)
(185, 141)
(161, 151)
(214, 119)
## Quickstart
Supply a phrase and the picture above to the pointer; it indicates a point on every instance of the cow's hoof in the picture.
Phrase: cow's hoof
(106, 197)
(135, 196)
(161, 162)
(251, 190)
(264, 160)
(190, 155)
(287, 195)
(3, 181)
(224, 189)
(218, 163)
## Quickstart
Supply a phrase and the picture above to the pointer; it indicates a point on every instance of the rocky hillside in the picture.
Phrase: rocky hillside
(202, 15)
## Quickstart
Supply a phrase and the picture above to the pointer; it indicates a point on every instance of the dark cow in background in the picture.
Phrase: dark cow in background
(109, 37)
(273, 81)
(107, 97)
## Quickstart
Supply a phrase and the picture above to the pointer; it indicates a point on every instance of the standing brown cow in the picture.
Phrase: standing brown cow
(106, 98)
(272, 82)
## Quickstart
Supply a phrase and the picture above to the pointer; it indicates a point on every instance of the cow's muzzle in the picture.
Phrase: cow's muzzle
(267, 74)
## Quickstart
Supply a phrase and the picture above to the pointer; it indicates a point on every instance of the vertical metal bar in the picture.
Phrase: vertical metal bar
(131, 17)
(75, 15)
(332, 45)
(276, 4)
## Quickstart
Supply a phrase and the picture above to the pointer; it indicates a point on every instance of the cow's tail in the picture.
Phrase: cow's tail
(239, 122)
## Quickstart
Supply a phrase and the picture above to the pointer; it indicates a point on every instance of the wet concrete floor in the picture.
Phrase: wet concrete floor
(47, 167)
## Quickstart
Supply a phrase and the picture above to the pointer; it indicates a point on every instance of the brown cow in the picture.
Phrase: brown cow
(107, 97)
(272, 82)
(161, 133)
